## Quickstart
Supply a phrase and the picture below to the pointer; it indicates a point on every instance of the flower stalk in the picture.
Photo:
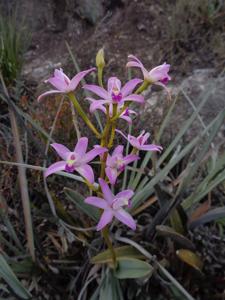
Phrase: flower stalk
(83, 114)
(105, 234)
(114, 102)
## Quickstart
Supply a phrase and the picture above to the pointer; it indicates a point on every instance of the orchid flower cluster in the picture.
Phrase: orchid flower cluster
(114, 102)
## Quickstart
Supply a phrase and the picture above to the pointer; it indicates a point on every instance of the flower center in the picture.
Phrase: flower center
(70, 163)
(116, 95)
(120, 165)
(120, 202)
(126, 113)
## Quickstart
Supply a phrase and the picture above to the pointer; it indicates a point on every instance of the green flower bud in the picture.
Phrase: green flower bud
(100, 61)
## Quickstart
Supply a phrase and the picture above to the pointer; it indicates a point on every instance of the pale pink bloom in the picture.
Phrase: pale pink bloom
(158, 75)
(76, 160)
(140, 141)
(116, 163)
(112, 206)
(62, 83)
(115, 94)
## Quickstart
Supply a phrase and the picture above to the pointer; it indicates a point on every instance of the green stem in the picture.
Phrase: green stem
(143, 87)
(105, 234)
(113, 121)
(112, 135)
(83, 114)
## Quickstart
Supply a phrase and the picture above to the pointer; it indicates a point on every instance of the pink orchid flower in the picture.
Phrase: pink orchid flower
(140, 141)
(115, 94)
(125, 115)
(112, 206)
(158, 75)
(75, 161)
(116, 163)
(62, 83)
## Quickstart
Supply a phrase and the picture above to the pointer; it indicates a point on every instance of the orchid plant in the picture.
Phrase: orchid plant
(114, 101)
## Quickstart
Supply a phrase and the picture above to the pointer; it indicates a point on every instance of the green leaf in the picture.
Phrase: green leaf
(219, 120)
(121, 252)
(132, 268)
(23, 267)
(7, 274)
(110, 289)
(78, 200)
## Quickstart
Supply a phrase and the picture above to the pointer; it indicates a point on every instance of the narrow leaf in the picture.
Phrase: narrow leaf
(7, 274)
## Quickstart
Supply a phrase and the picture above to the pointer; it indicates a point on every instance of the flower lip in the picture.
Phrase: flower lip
(117, 96)
(69, 168)
(164, 80)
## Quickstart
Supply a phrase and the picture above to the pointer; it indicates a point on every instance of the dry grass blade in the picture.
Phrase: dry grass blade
(22, 178)
(148, 203)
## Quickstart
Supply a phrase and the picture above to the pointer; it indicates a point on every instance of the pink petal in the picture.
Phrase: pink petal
(77, 79)
(96, 201)
(97, 90)
(134, 58)
(132, 112)
(105, 219)
(60, 74)
(135, 98)
(47, 94)
(108, 195)
(56, 167)
(113, 84)
(61, 150)
(130, 158)
(134, 141)
(93, 153)
(112, 174)
(81, 146)
(58, 83)
(98, 104)
(87, 172)
(145, 137)
(151, 148)
(126, 118)
(133, 64)
(130, 86)
(141, 134)
(160, 72)
(118, 150)
(125, 194)
(125, 218)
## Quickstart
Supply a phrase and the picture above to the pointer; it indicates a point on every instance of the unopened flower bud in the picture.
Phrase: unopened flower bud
(100, 61)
